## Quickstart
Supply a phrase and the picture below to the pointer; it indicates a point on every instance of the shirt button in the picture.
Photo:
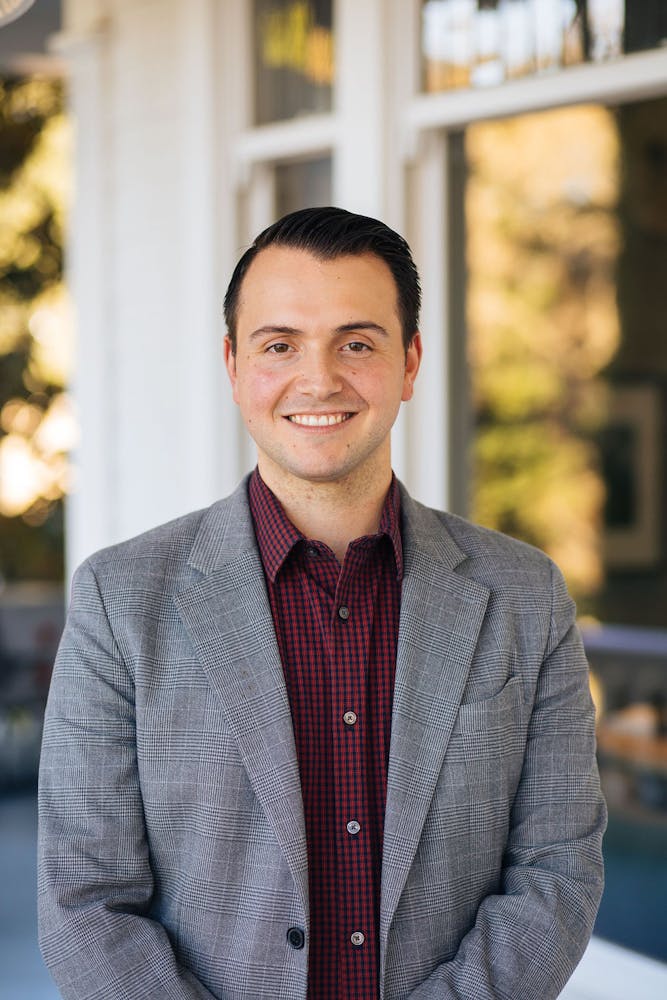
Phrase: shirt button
(357, 938)
(353, 827)
(344, 613)
(350, 718)
(311, 551)
(296, 938)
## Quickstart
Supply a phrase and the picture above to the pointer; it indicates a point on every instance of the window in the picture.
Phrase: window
(302, 184)
(294, 58)
(566, 252)
(480, 43)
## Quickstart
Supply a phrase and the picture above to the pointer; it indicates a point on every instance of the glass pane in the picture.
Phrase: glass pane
(302, 184)
(565, 304)
(470, 43)
(294, 58)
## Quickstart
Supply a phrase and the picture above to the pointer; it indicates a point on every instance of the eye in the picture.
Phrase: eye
(279, 348)
(357, 347)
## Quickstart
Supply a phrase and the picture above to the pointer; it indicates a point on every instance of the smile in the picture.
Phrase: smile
(319, 420)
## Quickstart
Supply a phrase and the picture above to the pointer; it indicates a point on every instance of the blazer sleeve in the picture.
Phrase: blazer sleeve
(94, 874)
(528, 938)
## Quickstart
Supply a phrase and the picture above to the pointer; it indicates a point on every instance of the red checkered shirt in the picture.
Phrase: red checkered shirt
(337, 630)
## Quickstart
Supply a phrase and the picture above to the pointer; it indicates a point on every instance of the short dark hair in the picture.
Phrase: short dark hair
(328, 233)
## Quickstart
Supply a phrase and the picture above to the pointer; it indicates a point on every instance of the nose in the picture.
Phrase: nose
(318, 375)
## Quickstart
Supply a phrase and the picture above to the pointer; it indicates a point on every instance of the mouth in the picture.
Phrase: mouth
(319, 419)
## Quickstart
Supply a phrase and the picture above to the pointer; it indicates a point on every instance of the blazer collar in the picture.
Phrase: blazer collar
(426, 534)
(225, 533)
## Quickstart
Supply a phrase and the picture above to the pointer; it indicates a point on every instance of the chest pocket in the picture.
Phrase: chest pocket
(493, 726)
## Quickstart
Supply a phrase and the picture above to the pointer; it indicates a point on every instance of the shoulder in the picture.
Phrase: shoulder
(170, 555)
(517, 581)
(490, 557)
(170, 542)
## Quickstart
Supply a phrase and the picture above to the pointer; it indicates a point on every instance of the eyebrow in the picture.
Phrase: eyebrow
(362, 325)
(344, 328)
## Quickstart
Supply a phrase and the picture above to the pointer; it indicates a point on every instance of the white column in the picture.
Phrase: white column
(233, 99)
(401, 58)
(162, 247)
(359, 165)
(90, 514)
(423, 461)
(153, 239)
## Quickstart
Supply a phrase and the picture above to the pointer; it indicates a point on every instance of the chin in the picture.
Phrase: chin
(321, 473)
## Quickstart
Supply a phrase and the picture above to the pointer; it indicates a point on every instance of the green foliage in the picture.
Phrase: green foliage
(543, 244)
(33, 179)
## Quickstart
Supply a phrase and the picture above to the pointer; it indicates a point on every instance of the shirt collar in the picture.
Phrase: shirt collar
(277, 536)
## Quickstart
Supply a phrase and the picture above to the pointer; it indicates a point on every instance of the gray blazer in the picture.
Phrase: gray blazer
(172, 844)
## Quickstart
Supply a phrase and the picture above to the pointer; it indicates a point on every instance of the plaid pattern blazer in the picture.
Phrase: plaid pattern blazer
(172, 857)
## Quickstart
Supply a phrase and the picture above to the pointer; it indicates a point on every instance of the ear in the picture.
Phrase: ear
(413, 357)
(230, 365)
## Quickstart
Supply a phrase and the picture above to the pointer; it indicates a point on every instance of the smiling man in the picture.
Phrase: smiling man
(319, 366)
(319, 741)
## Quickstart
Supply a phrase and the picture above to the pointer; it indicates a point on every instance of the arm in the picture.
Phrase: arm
(528, 938)
(95, 882)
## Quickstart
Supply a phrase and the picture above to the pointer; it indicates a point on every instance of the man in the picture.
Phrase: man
(318, 740)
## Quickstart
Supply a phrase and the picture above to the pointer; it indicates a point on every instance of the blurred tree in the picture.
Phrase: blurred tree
(543, 245)
(36, 423)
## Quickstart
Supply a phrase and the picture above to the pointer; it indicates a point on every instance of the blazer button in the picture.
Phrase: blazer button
(296, 938)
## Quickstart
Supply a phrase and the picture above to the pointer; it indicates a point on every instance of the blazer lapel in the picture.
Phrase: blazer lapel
(441, 616)
(227, 615)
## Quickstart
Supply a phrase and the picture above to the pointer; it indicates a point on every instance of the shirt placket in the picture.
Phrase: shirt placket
(329, 667)
(351, 629)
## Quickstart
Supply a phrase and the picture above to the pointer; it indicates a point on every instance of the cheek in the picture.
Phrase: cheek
(258, 392)
(387, 391)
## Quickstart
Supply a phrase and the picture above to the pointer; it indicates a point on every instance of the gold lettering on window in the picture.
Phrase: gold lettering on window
(290, 39)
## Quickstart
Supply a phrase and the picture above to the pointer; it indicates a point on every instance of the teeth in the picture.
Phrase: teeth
(319, 420)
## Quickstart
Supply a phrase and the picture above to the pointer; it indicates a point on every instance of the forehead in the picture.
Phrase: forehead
(285, 278)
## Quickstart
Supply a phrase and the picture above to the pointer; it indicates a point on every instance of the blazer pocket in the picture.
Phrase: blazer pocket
(505, 710)
(493, 729)
(481, 772)
(485, 757)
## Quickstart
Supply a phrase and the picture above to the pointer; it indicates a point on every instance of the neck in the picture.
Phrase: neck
(333, 513)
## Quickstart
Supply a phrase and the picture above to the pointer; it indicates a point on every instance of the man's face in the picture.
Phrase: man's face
(320, 368)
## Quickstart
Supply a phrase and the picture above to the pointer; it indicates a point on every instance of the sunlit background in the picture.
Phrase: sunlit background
(37, 424)
(567, 360)
(551, 386)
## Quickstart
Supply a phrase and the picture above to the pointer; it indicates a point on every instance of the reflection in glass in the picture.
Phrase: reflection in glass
(483, 42)
(518, 37)
(645, 25)
(488, 68)
(294, 58)
(447, 43)
(550, 34)
(606, 20)
(566, 255)
(302, 184)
